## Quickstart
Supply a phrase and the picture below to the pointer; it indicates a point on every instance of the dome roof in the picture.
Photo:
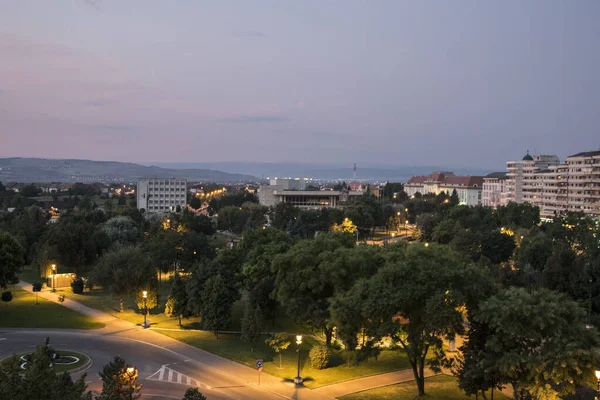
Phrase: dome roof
(527, 157)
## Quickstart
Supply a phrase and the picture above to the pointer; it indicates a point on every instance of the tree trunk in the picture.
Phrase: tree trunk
(328, 335)
(280, 362)
(421, 386)
(121, 304)
(421, 380)
(179, 320)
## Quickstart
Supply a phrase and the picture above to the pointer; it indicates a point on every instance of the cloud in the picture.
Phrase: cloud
(113, 127)
(95, 4)
(250, 119)
(249, 34)
(99, 102)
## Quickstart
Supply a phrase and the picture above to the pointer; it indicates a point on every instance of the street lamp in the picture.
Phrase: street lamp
(298, 379)
(54, 277)
(597, 384)
(145, 296)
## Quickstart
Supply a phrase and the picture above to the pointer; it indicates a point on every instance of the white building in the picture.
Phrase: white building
(295, 191)
(522, 184)
(494, 191)
(468, 188)
(573, 186)
(161, 195)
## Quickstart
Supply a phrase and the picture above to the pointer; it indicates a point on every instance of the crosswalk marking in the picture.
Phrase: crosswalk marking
(165, 374)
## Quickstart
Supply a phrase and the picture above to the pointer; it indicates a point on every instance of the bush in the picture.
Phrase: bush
(77, 286)
(37, 286)
(319, 357)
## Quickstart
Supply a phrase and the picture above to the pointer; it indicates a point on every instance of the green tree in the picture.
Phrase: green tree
(251, 324)
(121, 231)
(426, 288)
(538, 342)
(279, 342)
(445, 231)
(177, 304)
(195, 203)
(119, 381)
(261, 247)
(303, 286)
(216, 305)
(193, 394)
(497, 247)
(535, 251)
(7, 297)
(11, 259)
(123, 272)
(427, 223)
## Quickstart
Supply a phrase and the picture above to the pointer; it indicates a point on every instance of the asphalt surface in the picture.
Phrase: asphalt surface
(163, 374)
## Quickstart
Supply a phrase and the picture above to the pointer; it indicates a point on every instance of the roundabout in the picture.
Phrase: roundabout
(63, 361)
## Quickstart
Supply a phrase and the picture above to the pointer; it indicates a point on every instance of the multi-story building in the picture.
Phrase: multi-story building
(523, 184)
(468, 188)
(161, 194)
(557, 188)
(494, 192)
(295, 191)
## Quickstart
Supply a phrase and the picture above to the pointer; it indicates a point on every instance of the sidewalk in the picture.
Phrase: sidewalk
(370, 382)
(73, 305)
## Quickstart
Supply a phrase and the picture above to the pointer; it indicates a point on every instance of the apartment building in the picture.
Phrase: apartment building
(522, 184)
(494, 192)
(554, 187)
(161, 195)
(468, 188)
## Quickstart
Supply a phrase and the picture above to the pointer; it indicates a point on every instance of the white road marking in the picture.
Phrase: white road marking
(2, 338)
(165, 374)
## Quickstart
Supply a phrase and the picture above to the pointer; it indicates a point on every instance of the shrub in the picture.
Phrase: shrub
(77, 286)
(319, 357)
(37, 286)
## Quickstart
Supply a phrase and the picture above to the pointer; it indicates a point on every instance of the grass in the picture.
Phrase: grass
(231, 347)
(441, 387)
(58, 368)
(22, 312)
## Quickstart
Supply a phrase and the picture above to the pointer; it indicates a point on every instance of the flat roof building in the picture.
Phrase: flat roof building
(158, 195)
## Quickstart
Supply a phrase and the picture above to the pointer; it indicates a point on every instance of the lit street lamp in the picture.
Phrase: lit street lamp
(597, 384)
(54, 277)
(145, 296)
(298, 379)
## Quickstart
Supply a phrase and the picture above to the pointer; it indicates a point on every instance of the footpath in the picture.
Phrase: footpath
(124, 329)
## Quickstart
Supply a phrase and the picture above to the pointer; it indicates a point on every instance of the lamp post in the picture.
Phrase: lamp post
(597, 385)
(53, 277)
(145, 296)
(298, 379)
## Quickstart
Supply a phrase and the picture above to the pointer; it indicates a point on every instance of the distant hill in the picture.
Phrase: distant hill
(49, 170)
(397, 173)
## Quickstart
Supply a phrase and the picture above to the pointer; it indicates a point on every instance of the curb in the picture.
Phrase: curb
(84, 367)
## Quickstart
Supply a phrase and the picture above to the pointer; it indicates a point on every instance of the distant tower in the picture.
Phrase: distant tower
(354, 171)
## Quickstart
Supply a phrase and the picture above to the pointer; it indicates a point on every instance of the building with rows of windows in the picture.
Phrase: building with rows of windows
(161, 195)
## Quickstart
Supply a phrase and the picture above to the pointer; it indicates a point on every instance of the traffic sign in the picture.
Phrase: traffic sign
(259, 363)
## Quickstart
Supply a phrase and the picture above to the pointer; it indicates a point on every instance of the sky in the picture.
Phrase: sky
(456, 83)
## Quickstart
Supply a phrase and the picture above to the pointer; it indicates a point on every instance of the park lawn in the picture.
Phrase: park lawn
(109, 304)
(230, 346)
(22, 312)
(441, 387)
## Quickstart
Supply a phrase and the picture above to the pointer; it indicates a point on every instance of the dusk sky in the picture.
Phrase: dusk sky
(456, 83)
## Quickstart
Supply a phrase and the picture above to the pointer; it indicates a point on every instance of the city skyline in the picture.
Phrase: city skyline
(396, 83)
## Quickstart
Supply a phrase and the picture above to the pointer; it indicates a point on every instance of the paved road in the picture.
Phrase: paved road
(163, 374)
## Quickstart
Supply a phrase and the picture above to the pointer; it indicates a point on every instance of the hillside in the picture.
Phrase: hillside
(49, 170)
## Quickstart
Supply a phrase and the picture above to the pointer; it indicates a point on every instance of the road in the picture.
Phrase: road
(163, 374)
